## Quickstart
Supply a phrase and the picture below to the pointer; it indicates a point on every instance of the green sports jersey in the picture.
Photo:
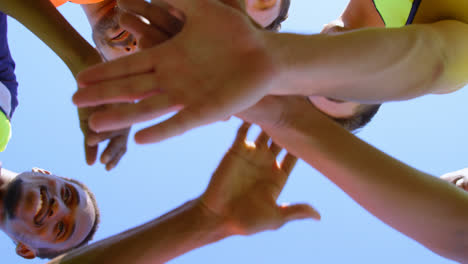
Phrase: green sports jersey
(5, 131)
(397, 13)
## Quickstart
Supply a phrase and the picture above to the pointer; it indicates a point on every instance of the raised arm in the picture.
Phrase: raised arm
(239, 200)
(361, 65)
(425, 208)
(46, 22)
(358, 66)
(43, 19)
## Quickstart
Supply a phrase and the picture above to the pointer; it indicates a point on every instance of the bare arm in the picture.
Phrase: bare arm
(368, 65)
(361, 65)
(43, 19)
(239, 200)
(425, 208)
(159, 240)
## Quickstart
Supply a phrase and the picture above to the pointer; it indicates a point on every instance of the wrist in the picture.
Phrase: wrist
(273, 43)
(88, 57)
(217, 227)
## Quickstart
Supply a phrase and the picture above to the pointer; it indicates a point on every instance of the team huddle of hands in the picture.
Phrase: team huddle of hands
(174, 72)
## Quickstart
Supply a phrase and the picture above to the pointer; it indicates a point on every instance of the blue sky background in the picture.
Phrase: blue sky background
(426, 133)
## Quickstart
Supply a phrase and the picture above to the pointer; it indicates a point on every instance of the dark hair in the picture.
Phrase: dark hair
(282, 16)
(50, 253)
(363, 116)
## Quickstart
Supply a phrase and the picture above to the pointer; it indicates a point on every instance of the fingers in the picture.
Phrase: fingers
(36, 169)
(115, 150)
(158, 14)
(96, 138)
(125, 90)
(275, 149)
(186, 119)
(113, 163)
(297, 212)
(262, 140)
(138, 63)
(289, 161)
(90, 153)
(241, 135)
(462, 183)
(129, 114)
(147, 35)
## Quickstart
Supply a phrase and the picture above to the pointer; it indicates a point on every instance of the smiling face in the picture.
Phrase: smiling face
(46, 212)
(111, 39)
(114, 42)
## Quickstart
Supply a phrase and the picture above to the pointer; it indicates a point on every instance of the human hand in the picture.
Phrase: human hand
(183, 75)
(459, 178)
(245, 186)
(115, 149)
(274, 113)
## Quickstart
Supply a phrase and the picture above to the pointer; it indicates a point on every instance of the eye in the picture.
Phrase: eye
(60, 228)
(66, 195)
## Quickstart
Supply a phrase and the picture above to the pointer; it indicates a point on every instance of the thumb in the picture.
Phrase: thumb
(297, 212)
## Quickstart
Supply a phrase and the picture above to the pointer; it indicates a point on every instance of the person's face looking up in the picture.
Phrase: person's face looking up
(113, 41)
(264, 12)
(46, 212)
(110, 38)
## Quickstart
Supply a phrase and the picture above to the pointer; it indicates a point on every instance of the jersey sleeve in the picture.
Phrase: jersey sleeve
(8, 83)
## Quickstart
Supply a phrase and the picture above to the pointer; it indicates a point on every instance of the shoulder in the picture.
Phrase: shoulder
(361, 13)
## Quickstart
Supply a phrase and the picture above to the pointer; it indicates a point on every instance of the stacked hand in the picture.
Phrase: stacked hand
(459, 178)
(215, 67)
(116, 147)
(244, 188)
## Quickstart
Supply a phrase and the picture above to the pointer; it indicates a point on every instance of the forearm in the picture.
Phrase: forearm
(186, 228)
(425, 208)
(44, 20)
(368, 65)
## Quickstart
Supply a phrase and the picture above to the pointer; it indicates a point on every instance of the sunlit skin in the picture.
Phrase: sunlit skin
(41, 210)
(285, 64)
(113, 41)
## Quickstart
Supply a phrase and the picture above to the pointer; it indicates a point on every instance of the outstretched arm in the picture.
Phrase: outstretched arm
(425, 208)
(43, 19)
(427, 58)
(239, 200)
(46, 22)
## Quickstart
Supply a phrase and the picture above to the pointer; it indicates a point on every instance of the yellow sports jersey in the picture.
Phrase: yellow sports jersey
(397, 13)
(80, 2)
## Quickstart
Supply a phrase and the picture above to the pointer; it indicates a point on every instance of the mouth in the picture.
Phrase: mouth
(122, 35)
(42, 207)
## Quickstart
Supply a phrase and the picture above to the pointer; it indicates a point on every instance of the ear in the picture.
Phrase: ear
(25, 251)
(35, 169)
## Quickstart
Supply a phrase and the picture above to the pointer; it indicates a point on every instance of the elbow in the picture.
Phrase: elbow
(454, 245)
(432, 47)
(444, 44)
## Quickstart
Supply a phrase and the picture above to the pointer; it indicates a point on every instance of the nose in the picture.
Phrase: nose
(57, 208)
(132, 47)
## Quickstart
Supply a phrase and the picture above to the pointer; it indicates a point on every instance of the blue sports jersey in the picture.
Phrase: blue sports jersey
(8, 84)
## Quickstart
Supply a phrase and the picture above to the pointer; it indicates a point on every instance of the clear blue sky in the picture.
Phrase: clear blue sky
(426, 133)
